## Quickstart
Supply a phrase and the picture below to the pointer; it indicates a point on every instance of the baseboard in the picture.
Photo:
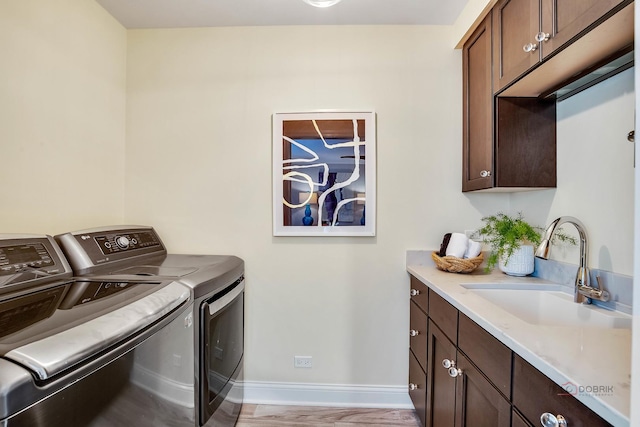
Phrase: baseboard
(335, 395)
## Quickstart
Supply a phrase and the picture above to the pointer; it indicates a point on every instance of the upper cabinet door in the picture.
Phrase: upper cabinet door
(477, 146)
(515, 25)
(563, 20)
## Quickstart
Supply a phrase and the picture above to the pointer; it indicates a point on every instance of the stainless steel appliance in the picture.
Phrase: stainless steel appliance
(67, 345)
(197, 364)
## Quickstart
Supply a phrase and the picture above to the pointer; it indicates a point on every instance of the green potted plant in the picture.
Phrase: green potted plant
(512, 241)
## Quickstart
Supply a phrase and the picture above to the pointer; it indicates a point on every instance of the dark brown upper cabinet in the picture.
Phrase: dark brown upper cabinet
(477, 148)
(527, 32)
(515, 24)
(516, 62)
(539, 45)
(508, 143)
(564, 20)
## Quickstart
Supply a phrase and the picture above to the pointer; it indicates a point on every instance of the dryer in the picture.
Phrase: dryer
(200, 367)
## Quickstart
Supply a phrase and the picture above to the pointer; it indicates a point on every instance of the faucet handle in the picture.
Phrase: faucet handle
(604, 294)
(591, 292)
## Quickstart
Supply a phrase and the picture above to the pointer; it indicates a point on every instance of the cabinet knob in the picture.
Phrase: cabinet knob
(446, 363)
(550, 420)
(414, 333)
(450, 366)
(530, 47)
(485, 174)
(455, 372)
(415, 292)
(542, 37)
(631, 136)
(413, 386)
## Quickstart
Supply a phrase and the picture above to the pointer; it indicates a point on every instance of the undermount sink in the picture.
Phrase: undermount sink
(546, 305)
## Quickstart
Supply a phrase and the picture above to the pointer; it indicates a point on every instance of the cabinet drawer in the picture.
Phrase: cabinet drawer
(420, 294)
(491, 356)
(418, 334)
(444, 315)
(418, 388)
(535, 394)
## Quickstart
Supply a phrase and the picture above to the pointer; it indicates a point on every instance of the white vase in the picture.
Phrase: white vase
(520, 262)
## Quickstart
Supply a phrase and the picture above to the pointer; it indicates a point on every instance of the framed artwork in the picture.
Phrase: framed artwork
(324, 174)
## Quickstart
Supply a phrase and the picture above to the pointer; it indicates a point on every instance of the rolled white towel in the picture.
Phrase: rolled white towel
(457, 245)
(473, 249)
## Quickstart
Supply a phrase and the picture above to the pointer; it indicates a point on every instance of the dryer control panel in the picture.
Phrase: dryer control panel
(126, 241)
(95, 249)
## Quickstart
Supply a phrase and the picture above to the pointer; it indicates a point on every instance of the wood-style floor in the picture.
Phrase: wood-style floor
(313, 416)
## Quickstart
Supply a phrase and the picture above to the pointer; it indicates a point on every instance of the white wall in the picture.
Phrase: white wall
(199, 112)
(62, 116)
(595, 174)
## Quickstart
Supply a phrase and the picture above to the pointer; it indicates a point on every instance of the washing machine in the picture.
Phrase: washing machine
(67, 344)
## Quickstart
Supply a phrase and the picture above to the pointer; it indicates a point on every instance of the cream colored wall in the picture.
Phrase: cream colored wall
(62, 116)
(595, 174)
(198, 168)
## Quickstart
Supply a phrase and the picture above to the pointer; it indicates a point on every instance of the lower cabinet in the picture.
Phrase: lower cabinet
(418, 352)
(462, 376)
(458, 394)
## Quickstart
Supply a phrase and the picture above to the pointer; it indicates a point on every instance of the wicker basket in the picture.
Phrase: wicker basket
(457, 265)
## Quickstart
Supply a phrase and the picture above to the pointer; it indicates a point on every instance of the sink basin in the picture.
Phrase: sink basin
(545, 306)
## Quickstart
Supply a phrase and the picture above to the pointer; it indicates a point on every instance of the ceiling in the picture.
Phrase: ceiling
(224, 13)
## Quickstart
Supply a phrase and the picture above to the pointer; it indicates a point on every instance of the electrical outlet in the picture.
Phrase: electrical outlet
(302, 361)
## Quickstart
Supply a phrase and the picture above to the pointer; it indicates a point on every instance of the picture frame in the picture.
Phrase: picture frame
(324, 173)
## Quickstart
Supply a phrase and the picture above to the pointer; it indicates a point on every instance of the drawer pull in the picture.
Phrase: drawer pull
(413, 386)
(550, 420)
(414, 333)
(415, 292)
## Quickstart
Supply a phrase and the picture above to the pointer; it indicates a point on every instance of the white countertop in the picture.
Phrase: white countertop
(587, 357)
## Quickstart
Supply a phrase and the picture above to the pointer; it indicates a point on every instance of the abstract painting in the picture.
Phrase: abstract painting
(324, 176)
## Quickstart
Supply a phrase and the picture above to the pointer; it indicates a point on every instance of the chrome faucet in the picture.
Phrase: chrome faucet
(584, 292)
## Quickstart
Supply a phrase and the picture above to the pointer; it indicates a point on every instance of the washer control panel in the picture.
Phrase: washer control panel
(29, 258)
(16, 258)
